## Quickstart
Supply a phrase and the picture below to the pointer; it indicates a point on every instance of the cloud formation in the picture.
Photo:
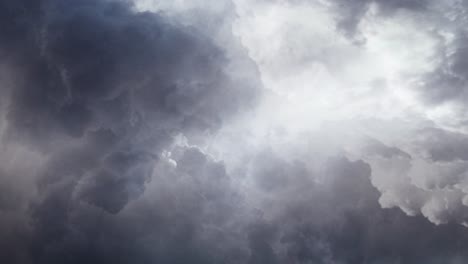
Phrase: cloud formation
(117, 85)
(243, 131)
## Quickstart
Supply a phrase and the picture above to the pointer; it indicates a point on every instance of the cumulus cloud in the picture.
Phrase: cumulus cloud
(114, 83)
(242, 131)
(95, 91)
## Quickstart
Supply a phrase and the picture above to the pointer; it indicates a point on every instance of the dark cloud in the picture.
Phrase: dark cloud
(193, 211)
(99, 64)
(99, 68)
(103, 106)
(351, 13)
(338, 220)
(99, 90)
(442, 145)
(447, 83)
(188, 214)
(373, 147)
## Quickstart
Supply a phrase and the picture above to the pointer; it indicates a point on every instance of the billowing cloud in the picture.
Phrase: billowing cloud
(100, 71)
(242, 131)
(93, 92)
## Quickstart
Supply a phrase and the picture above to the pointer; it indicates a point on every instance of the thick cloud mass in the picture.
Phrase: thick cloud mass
(352, 12)
(244, 131)
(117, 83)
(97, 90)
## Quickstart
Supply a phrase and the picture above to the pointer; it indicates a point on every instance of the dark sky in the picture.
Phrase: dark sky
(243, 131)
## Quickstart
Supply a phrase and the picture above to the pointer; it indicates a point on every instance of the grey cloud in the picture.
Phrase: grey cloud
(189, 208)
(447, 83)
(121, 177)
(444, 146)
(431, 182)
(105, 91)
(273, 174)
(99, 67)
(338, 220)
(374, 147)
(101, 63)
(188, 214)
(352, 12)
(99, 90)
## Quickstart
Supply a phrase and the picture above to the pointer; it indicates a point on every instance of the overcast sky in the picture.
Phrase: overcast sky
(233, 131)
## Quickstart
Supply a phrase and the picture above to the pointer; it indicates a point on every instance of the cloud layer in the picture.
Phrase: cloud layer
(243, 131)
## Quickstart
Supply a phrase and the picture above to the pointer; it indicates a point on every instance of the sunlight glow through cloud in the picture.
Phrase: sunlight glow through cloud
(233, 131)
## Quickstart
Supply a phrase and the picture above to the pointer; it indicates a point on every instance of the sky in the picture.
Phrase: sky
(233, 131)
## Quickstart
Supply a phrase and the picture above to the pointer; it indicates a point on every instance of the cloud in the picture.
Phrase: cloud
(330, 214)
(96, 91)
(232, 132)
(100, 69)
(327, 214)
(351, 13)
(189, 212)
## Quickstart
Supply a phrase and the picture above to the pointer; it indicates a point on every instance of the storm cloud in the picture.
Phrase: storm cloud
(244, 131)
